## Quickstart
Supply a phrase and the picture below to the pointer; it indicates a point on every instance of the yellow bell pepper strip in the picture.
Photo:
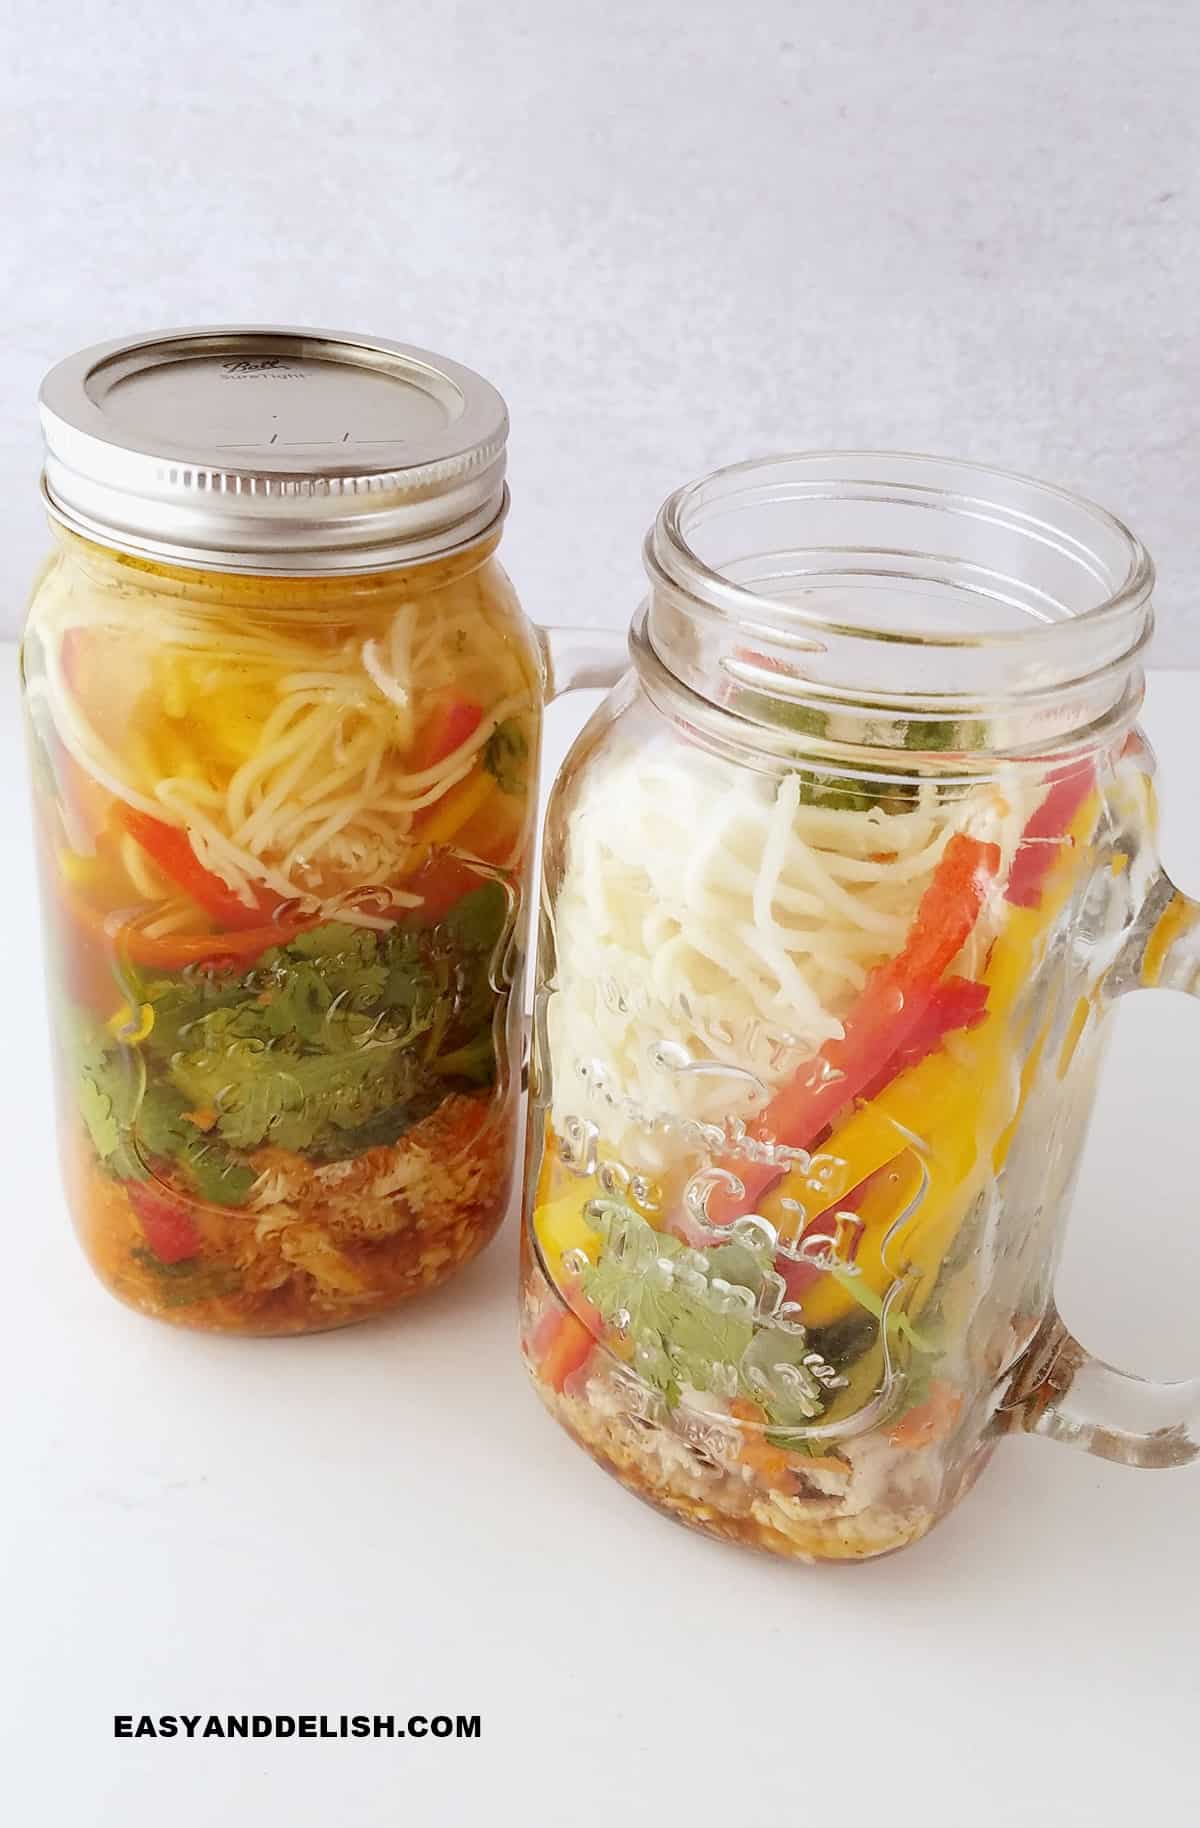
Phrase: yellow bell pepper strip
(929, 1098)
(891, 1192)
(1074, 1034)
(130, 1026)
(560, 1200)
(81, 872)
(885, 1019)
(943, 1110)
(561, 1225)
(1174, 921)
(956, 1112)
(447, 816)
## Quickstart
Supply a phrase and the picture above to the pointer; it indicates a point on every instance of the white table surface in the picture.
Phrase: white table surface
(383, 1521)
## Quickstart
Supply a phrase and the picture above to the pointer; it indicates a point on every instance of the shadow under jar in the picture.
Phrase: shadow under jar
(283, 713)
(840, 888)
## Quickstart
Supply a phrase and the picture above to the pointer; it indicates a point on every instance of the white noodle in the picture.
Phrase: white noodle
(325, 789)
(735, 922)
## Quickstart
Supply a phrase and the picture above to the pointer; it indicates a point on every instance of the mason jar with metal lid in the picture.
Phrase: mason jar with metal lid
(284, 712)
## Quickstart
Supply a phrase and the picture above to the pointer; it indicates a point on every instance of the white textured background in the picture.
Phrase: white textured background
(674, 232)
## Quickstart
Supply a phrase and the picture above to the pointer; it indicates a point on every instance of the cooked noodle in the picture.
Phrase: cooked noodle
(324, 793)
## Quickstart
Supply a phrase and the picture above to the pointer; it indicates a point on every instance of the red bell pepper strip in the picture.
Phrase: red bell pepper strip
(441, 882)
(169, 847)
(445, 729)
(798, 1273)
(957, 1002)
(887, 1016)
(105, 935)
(1045, 834)
(167, 1225)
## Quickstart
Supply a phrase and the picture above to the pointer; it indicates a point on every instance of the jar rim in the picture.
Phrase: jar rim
(671, 556)
(877, 586)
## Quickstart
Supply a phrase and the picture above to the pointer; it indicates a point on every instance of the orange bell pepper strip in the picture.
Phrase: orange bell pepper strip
(887, 1016)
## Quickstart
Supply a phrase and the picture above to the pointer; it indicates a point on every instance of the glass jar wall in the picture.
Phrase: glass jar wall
(824, 979)
(283, 798)
(283, 829)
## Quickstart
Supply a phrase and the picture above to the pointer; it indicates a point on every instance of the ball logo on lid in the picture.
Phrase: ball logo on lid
(272, 366)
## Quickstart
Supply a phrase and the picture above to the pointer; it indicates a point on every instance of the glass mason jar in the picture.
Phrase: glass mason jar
(841, 886)
(283, 713)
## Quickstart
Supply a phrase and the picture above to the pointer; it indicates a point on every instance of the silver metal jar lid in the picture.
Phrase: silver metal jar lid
(272, 449)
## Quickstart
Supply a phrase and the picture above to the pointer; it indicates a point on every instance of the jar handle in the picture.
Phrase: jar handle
(575, 658)
(1058, 1388)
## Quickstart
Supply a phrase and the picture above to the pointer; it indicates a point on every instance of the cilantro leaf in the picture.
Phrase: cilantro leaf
(505, 754)
(96, 1109)
(109, 1085)
(704, 1318)
(687, 1325)
(331, 1044)
(263, 1089)
(181, 1284)
(866, 784)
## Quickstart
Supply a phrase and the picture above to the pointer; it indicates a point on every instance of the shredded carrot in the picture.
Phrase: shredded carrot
(756, 1451)
(929, 1421)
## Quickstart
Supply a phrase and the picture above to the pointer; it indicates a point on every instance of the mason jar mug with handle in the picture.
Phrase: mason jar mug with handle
(841, 887)
(283, 716)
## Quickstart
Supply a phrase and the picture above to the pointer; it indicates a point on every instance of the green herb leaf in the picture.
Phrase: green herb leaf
(697, 1317)
(96, 1109)
(188, 1282)
(334, 1043)
(505, 754)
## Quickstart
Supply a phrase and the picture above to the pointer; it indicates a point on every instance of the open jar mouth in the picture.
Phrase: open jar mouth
(897, 586)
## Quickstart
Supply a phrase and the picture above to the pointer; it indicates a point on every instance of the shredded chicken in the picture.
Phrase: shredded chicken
(428, 1179)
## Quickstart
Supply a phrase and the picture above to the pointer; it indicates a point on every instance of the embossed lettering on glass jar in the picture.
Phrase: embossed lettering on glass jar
(840, 887)
(284, 713)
